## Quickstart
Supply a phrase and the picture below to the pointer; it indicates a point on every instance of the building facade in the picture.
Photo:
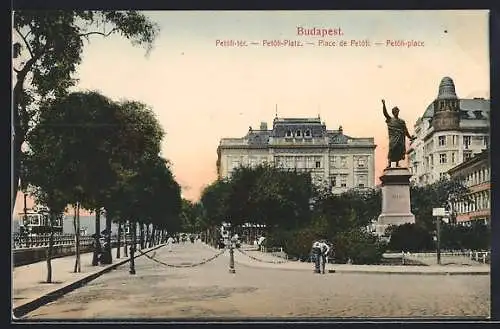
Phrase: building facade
(450, 132)
(334, 159)
(475, 174)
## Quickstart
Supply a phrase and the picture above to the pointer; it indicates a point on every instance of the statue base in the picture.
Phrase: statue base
(396, 209)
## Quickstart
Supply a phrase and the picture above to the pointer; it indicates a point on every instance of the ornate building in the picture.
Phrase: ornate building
(333, 158)
(475, 174)
(450, 132)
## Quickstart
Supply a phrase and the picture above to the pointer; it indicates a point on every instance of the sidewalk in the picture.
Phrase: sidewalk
(244, 260)
(29, 288)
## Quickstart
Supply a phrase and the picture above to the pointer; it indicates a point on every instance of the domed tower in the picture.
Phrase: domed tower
(446, 107)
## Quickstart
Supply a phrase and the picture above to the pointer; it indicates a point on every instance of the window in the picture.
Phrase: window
(442, 140)
(362, 181)
(467, 155)
(454, 139)
(442, 158)
(334, 181)
(298, 134)
(308, 133)
(289, 133)
(467, 140)
(318, 164)
(452, 157)
(442, 175)
(343, 180)
(362, 162)
(343, 162)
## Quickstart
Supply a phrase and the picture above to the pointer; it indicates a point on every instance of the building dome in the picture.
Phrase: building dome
(447, 89)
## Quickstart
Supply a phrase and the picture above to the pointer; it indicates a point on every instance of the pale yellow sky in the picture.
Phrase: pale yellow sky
(202, 93)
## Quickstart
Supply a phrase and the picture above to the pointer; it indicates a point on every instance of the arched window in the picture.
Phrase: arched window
(308, 133)
(299, 133)
(288, 133)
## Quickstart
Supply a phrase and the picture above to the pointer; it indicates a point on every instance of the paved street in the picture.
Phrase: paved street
(209, 290)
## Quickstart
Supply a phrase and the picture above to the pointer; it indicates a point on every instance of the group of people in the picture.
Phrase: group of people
(320, 251)
(180, 238)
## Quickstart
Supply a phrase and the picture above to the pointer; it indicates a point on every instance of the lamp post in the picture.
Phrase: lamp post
(231, 253)
(440, 214)
(438, 240)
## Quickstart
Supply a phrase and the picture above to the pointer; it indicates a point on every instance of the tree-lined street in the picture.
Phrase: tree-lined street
(80, 149)
(209, 290)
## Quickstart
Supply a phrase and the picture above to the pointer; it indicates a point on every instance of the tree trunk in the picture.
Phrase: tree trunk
(152, 240)
(78, 249)
(20, 126)
(97, 242)
(50, 247)
(125, 238)
(119, 239)
(141, 239)
(147, 236)
(75, 229)
(109, 258)
(25, 222)
(132, 248)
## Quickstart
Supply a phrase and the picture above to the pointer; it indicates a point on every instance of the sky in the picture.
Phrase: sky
(202, 92)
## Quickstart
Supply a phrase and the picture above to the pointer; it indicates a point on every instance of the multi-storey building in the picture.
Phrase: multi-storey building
(334, 159)
(450, 131)
(475, 174)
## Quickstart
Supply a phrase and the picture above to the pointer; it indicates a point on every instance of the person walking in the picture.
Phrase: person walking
(324, 250)
(316, 252)
(170, 242)
(320, 250)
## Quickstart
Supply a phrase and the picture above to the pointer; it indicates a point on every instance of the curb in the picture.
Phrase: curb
(354, 271)
(37, 302)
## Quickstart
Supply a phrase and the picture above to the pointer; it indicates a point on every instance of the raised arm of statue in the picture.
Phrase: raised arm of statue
(387, 116)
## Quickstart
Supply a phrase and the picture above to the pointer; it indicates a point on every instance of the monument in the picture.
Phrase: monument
(396, 208)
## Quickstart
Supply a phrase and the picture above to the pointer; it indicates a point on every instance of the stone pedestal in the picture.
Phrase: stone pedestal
(396, 209)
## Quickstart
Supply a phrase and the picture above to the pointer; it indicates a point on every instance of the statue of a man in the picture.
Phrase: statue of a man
(397, 133)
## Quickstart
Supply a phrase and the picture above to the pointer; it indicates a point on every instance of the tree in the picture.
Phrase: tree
(48, 47)
(45, 171)
(439, 194)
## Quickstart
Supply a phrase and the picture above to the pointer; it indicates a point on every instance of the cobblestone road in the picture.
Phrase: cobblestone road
(210, 290)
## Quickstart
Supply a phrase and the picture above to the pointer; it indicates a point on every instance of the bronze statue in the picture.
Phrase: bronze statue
(397, 133)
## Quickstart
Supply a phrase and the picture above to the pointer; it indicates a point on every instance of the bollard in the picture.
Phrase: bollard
(231, 260)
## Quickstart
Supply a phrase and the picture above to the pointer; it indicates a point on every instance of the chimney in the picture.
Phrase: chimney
(263, 126)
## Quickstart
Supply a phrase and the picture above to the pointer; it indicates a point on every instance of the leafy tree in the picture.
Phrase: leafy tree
(47, 49)
(45, 174)
(436, 195)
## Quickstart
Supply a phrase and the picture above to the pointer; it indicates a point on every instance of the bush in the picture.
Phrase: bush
(296, 243)
(358, 245)
(410, 237)
(474, 237)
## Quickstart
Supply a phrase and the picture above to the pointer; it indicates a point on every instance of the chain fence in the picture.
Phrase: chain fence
(182, 265)
(262, 260)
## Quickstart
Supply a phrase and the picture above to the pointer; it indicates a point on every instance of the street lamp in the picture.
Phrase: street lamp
(441, 214)
(232, 242)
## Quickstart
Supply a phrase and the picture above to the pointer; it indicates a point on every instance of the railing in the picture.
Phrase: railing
(42, 240)
(477, 256)
(276, 251)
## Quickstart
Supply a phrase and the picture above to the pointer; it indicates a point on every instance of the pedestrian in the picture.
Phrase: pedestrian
(325, 249)
(170, 242)
(316, 252)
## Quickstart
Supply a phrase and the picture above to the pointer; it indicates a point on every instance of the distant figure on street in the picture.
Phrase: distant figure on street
(260, 242)
(170, 242)
(320, 250)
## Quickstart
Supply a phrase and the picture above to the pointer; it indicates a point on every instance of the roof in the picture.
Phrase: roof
(484, 155)
(468, 108)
